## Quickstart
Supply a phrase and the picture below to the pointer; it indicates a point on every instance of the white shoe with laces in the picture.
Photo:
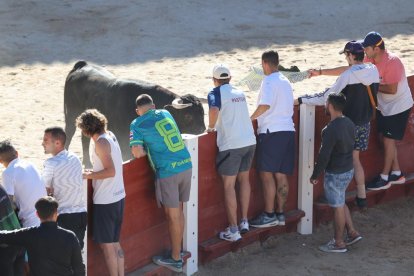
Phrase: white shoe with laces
(244, 227)
(227, 235)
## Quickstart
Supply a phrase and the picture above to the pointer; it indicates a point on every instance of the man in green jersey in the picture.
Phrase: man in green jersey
(155, 133)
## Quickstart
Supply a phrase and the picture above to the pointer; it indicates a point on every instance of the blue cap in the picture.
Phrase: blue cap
(372, 39)
(353, 47)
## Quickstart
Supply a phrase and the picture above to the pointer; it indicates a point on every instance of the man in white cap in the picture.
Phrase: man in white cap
(229, 116)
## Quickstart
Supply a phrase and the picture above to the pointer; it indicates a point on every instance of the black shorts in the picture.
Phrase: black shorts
(393, 126)
(276, 152)
(75, 222)
(107, 221)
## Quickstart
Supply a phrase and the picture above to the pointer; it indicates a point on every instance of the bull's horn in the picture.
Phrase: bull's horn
(178, 104)
(202, 100)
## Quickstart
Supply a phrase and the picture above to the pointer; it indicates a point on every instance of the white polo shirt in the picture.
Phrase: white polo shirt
(63, 173)
(234, 127)
(276, 91)
(23, 181)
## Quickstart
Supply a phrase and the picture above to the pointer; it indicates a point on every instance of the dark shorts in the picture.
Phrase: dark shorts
(75, 222)
(362, 137)
(393, 126)
(232, 161)
(107, 221)
(276, 152)
(170, 191)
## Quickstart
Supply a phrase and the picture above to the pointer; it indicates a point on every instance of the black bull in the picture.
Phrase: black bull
(89, 86)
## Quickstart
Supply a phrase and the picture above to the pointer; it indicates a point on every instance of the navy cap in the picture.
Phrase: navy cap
(372, 39)
(353, 47)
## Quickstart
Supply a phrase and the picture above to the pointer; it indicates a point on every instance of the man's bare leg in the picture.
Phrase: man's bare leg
(230, 198)
(174, 217)
(348, 222)
(269, 191)
(390, 156)
(359, 175)
(244, 192)
(282, 191)
(339, 218)
(110, 251)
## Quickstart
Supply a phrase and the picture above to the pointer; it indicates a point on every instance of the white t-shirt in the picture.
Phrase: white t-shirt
(234, 127)
(63, 173)
(22, 180)
(276, 91)
(108, 190)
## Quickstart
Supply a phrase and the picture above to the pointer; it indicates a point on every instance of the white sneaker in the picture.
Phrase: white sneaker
(227, 235)
(244, 227)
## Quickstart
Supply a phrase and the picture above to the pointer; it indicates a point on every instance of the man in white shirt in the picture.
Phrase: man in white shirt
(22, 182)
(229, 115)
(276, 140)
(62, 175)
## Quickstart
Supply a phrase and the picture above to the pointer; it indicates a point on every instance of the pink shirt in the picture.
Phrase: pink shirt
(391, 70)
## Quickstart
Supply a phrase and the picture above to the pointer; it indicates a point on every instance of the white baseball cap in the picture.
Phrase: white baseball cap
(221, 72)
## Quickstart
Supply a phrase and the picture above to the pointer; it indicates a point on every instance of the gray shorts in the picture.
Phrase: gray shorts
(231, 162)
(170, 191)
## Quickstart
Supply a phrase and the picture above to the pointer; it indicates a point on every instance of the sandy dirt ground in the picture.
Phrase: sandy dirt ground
(175, 44)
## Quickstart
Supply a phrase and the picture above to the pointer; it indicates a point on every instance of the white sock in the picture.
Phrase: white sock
(384, 176)
(396, 172)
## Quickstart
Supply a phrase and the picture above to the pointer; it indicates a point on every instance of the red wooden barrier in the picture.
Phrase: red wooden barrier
(144, 232)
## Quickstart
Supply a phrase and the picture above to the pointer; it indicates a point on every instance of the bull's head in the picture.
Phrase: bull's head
(188, 112)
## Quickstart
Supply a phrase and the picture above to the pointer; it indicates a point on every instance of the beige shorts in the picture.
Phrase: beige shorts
(170, 191)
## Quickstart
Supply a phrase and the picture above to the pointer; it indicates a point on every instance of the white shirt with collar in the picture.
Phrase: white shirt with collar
(276, 91)
(63, 173)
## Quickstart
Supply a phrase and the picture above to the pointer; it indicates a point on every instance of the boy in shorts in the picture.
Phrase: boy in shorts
(155, 133)
(335, 158)
(229, 116)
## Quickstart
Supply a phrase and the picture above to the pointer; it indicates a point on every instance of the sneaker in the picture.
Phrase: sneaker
(281, 219)
(396, 179)
(244, 227)
(264, 220)
(379, 184)
(169, 263)
(352, 240)
(361, 202)
(331, 247)
(227, 235)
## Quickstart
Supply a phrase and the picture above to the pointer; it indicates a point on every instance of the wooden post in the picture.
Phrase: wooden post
(306, 163)
(190, 242)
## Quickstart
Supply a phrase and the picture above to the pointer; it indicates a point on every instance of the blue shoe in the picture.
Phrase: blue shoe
(331, 247)
(281, 218)
(169, 263)
(396, 179)
(379, 184)
(263, 220)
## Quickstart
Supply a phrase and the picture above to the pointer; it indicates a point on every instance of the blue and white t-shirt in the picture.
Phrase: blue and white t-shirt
(234, 127)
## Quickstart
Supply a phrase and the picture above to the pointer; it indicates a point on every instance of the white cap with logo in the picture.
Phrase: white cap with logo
(221, 72)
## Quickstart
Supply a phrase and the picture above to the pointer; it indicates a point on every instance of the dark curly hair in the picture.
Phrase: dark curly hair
(91, 121)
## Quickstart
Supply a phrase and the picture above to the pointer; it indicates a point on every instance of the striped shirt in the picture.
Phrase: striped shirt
(63, 173)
